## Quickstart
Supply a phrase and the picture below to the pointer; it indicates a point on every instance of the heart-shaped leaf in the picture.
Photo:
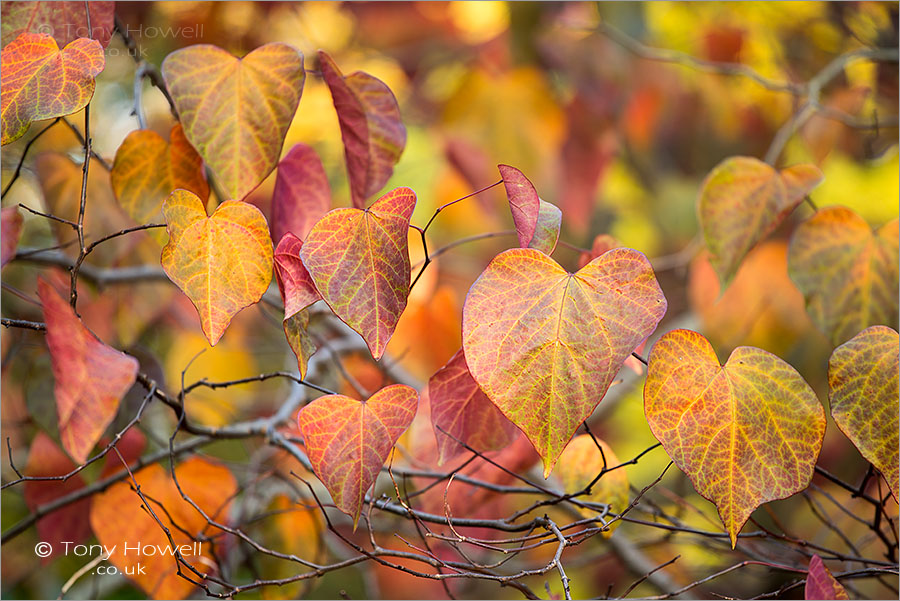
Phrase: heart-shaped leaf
(236, 111)
(847, 272)
(301, 195)
(147, 169)
(40, 81)
(459, 408)
(371, 128)
(745, 433)
(348, 441)
(581, 463)
(359, 261)
(295, 284)
(121, 523)
(546, 233)
(223, 262)
(64, 21)
(820, 584)
(742, 200)
(524, 203)
(90, 377)
(545, 344)
(863, 394)
(10, 231)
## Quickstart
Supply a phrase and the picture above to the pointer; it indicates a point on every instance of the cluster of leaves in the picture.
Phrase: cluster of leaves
(541, 345)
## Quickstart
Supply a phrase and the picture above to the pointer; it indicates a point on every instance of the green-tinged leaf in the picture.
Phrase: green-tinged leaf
(297, 334)
(223, 262)
(40, 81)
(580, 463)
(236, 111)
(863, 393)
(348, 441)
(460, 411)
(847, 272)
(524, 203)
(90, 377)
(371, 128)
(64, 21)
(820, 584)
(359, 261)
(545, 344)
(745, 433)
(546, 233)
(742, 200)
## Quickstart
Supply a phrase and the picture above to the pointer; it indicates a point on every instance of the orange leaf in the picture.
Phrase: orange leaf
(40, 81)
(523, 203)
(223, 262)
(147, 169)
(820, 584)
(236, 111)
(91, 378)
(742, 200)
(297, 334)
(301, 193)
(580, 463)
(10, 231)
(359, 261)
(348, 441)
(294, 282)
(745, 433)
(122, 525)
(459, 408)
(847, 272)
(863, 394)
(65, 21)
(371, 128)
(545, 344)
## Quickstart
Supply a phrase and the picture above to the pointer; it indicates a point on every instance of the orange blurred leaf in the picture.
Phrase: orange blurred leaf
(10, 231)
(580, 463)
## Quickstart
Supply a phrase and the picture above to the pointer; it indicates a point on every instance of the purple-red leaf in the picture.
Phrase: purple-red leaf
(820, 584)
(301, 195)
(371, 128)
(459, 408)
(90, 377)
(523, 203)
(10, 231)
(359, 261)
(348, 441)
(295, 284)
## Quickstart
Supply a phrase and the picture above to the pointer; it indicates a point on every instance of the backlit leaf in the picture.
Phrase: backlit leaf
(371, 128)
(293, 527)
(546, 233)
(745, 433)
(523, 203)
(295, 330)
(147, 169)
(348, 441)
(10, 231)
(223, 262)
(90, 377)
(462, 410)
(545, 344)
(820, 584)
(580, 463)
(40, 81)
(863, 394)
(64, 21)
(118, 519)
(742, 200)
(301, 193)
(359, 261)
(236, 111)
(67, 523)
(294, 282)
(847, 272)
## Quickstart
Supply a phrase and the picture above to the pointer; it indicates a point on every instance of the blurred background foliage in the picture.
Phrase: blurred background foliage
(620, 143)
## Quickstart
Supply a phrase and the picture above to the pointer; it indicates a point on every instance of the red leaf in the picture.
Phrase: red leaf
(301, 195)
(295, 284)
(348, 441)
(371, 128)
(523, 203)
(91, 377)
(65, 21)
(461, 409)
(820, 584)
(10, 231)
